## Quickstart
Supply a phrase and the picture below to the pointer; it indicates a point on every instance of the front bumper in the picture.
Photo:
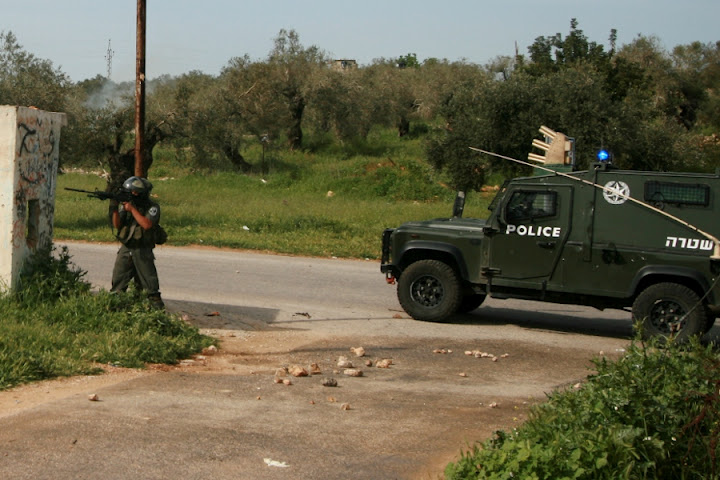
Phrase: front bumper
(386, 267)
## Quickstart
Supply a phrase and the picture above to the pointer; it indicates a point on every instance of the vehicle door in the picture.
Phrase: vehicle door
(527, 234)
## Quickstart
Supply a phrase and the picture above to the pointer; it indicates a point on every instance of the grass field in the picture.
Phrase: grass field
(309, 204)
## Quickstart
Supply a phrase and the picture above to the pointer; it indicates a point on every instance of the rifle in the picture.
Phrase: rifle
(121, 197)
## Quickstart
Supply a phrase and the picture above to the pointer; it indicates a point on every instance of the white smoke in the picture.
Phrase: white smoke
(112, 96)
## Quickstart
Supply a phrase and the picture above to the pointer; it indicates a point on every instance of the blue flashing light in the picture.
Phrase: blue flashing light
(603, 155)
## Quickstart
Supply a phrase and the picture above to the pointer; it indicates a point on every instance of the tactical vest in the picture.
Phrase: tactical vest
(133, 235)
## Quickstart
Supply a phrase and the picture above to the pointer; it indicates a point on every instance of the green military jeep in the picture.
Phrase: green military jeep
(602, 237)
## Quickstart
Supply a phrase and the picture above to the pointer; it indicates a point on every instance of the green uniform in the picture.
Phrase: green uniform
(135, 259)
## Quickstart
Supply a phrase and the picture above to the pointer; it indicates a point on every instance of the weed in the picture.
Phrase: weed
(53, 325)
(651, 414)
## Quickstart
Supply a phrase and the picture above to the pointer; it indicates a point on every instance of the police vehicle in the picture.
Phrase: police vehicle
(602, 237)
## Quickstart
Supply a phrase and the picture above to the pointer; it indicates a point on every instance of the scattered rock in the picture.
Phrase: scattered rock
(493, 405)
(353, 372)
(368, 363)
(358, 351)
(463, 374)
(281, 372)
(315, 369)
(211, 350)
(345, 406)
(384, 363)
(287, 381)
(297, 371)
(343, 362)
(93, 397)
(329, 382)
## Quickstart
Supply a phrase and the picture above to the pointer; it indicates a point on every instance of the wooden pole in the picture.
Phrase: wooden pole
(140, 91)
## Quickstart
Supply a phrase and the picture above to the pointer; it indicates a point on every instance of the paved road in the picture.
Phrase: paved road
(279, 289)
(238, 278)
(226, 418)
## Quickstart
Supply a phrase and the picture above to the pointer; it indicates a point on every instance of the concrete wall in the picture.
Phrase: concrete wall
(29, 156)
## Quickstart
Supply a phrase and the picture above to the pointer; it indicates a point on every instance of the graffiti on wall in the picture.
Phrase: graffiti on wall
(36, 166)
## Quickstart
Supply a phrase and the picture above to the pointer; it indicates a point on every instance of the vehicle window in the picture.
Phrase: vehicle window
(502, 189)
(677, 193)
(528, 205)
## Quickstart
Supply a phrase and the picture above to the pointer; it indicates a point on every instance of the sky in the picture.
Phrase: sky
(191, 35)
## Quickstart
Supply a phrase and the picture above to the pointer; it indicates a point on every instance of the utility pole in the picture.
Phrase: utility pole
(140, 90)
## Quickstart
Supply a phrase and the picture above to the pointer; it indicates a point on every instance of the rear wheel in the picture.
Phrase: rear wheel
(429, 290)
(670, 310)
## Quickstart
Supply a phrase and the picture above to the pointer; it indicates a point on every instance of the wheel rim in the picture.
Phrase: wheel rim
(668, 316)
(427, 291)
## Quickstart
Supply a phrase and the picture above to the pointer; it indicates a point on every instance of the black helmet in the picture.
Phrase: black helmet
(138, 185)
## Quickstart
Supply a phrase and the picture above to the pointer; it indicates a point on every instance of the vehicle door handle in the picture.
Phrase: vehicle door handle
(548, 245)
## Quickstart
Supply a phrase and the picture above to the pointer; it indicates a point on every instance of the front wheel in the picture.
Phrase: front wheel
(429, 290)
(670, 310)
(471, 302)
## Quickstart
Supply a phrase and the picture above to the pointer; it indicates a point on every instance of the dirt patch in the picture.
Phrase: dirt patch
(436, 398)
(23, 397)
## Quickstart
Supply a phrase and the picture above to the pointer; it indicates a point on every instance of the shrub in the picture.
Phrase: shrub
(651, 414)
(53, 325)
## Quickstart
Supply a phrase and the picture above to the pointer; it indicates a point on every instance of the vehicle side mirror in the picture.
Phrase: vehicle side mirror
(459, 204)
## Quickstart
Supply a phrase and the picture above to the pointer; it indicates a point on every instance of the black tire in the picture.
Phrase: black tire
(429, 290)
(670, 310)
(709, 324)
(471, 302)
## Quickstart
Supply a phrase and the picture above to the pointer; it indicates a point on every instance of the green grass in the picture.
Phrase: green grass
(309, 204)
(54, 326)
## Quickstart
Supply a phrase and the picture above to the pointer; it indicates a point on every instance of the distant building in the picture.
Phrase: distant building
(343, 64)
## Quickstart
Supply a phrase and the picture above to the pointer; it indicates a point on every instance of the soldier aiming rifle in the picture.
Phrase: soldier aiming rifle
(136, 219)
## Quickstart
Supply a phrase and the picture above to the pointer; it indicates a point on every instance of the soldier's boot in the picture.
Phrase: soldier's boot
(156, 301)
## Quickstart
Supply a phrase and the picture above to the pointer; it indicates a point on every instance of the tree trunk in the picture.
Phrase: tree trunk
(122, 165)
(236, 158)
(403, 126)
(295, 133)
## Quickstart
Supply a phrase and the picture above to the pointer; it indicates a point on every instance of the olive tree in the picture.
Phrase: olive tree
(292, 69)
(100, 128)
(602, 99)
(342, 103)
(28, 80)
